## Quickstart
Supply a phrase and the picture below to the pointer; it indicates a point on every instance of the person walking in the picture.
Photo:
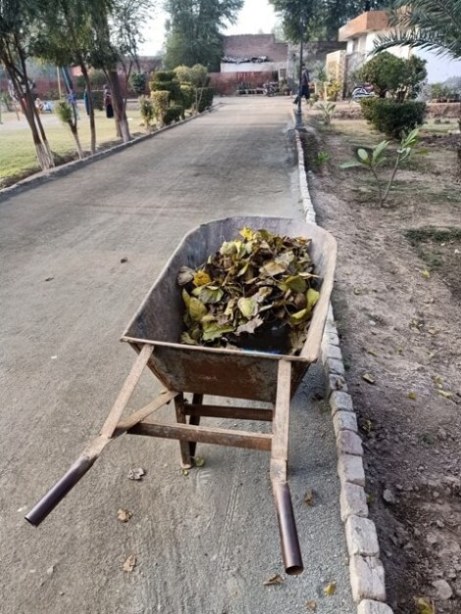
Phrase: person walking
(304, 91)
(108, 102)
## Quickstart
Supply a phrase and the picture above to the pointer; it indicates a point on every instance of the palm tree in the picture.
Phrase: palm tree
(427, 24)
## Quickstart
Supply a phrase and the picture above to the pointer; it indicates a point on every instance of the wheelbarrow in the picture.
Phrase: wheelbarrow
(272, 378)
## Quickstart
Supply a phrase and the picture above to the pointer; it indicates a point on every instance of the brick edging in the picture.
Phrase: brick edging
(365, 567)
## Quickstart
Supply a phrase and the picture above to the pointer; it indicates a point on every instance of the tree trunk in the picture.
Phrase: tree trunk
(119, 110)
(90, 106)
(73, 129)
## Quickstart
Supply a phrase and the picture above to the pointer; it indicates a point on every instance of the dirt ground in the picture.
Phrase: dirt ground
(397, 306)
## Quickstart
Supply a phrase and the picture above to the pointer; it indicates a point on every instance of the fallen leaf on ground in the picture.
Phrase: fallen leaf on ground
(199, 461)
(185, 472)
(130, 563)
(412, 395)
(446, 394)
(330, 589)
(368, 378)
(124, 515)
(309, 497)
(49, 279)
(311, 605)
(136, 473)
(274, 580)
(426, 274)
(425, 606)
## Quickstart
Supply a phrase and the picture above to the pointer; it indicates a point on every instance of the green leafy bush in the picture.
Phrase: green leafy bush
(204, 98)
(173, 114)
(146, 106)
(188, 96)
(166, 81)
(366, 104)
(395, 118)
(98, 99)
(390, 75)
(138, 83)
(161, 103)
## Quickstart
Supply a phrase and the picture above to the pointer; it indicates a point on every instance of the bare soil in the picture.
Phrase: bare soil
(397, 306)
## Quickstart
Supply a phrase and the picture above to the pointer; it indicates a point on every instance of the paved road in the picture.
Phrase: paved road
(204, 543)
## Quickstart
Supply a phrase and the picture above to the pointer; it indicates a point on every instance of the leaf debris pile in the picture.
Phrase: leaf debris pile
(257, 292)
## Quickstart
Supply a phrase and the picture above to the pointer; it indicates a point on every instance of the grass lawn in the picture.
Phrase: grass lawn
(17, 151)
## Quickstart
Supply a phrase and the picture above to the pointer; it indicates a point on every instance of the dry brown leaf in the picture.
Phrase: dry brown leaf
(311, 605)
(130, 563)
(330, 589)
(274, 580)
(309, 497)
(412, 395)
(136, 474)
(124, 515)
(368, 378)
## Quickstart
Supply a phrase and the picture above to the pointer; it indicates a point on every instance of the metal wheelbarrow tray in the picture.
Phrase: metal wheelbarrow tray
(254, 375)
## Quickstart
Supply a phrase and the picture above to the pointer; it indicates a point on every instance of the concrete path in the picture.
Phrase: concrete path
(207, 542)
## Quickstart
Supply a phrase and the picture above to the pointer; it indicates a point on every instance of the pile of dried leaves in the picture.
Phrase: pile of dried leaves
(256, 292)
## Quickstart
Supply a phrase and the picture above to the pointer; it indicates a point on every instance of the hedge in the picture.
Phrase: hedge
(391, 117)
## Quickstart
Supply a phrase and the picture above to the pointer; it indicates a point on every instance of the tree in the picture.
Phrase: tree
(394, 76)
(17, 19)
(430, 25)
(65, 38)
(323, 18)
(194, 31)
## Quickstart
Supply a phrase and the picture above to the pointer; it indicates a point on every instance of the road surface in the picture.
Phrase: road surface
(78, 254)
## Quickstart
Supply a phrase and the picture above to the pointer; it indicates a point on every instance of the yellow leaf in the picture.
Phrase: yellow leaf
(412, 395)
(426, 274)
(446, 394)
(196, 309)
(201, 278)
(247, 233)
(425, 606)
(330, 589)
(312, 297)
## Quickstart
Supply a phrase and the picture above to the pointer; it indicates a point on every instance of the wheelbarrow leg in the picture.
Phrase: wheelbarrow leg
(179, 402)
(197, 399)
(279, 458)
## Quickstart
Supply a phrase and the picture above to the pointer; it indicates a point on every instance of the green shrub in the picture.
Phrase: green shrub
(98, 99)
(146, 106)
(173, 114)
(366, 104)
(395, 118)
(188, 96)
(138, 83)
(204, 98)
(161, 103)
(163, 75)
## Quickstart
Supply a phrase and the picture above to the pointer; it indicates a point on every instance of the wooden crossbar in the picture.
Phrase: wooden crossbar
(236, 413)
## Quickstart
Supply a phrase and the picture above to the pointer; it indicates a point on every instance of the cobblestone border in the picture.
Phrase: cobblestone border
(365, 568)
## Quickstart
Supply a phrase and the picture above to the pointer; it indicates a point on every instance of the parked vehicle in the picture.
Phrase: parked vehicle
(362, 91)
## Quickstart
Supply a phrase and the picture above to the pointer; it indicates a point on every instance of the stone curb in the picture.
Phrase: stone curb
(64, 169)
(365, 568)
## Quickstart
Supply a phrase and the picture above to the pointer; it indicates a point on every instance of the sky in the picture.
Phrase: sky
(255, 16)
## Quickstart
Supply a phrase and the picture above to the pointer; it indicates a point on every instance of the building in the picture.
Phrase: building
(254, 53)
(361, 33)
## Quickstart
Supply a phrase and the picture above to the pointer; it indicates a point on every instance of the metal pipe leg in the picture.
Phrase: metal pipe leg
(291, 550)
(197, 399)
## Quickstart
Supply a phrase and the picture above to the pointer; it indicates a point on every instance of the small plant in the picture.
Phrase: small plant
(67, 113)
(327, 109)
(373, 158)
(146, 107)
(322, 158)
